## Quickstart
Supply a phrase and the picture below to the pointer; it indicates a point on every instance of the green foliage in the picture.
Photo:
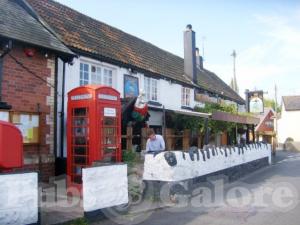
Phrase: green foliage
(80, 221)
(211, 107)
(270, 103)
(218, 126)
(181, 122)
(129, 157)
(289, 139)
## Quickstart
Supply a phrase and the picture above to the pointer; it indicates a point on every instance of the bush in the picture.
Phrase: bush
(80, 221)
(289, 139)
(129, 157)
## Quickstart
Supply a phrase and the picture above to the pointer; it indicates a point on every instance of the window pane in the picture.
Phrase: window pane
(96, 75)
(147, 88)
(84, 74)
(86, 67)
(107, 77)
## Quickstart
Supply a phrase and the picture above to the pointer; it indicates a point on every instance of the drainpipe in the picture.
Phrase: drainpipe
(164, 123)
(62, 113)
(55, 107)
(207, 132)
(7, 48)
(1, 75)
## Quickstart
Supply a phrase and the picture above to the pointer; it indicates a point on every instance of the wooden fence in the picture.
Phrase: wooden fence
(174, 141)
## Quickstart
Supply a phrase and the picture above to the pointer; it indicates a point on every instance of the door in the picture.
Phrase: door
(79, 142)
(109, 145)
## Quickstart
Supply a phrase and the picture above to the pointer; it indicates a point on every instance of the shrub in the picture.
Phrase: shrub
(129, 157)
(289, 139)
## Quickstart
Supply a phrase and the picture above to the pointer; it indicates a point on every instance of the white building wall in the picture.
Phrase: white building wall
(169, 93)
(288, 125)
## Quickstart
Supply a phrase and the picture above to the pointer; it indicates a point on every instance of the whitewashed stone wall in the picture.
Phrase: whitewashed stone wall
(18, 199)
(104, 186)
(157, 168)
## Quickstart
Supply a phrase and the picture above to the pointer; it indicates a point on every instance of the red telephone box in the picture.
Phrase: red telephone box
(93, 128)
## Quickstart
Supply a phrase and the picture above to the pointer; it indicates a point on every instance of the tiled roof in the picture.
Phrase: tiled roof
(291, 103)
(85, 34)
(17, 24)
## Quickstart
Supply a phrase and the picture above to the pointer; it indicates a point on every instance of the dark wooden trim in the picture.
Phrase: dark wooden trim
(229, 117)
(1, 77)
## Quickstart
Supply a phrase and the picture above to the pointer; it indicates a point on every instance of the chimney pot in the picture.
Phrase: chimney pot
(199, 59)
(189, 27)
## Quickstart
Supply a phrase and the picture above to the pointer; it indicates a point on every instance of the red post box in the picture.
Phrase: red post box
(11, 146)
(93, 128)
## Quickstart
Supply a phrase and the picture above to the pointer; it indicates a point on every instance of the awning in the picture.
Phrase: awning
(192, 113)
(228, 117)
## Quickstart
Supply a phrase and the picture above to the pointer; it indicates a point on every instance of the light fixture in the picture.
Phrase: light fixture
(5, 47)
(29, 52)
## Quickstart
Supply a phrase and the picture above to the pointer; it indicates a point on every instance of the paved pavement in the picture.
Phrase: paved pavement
(268, 196)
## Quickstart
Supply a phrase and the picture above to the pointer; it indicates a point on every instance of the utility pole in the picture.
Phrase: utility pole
(203, 39)
(276, 121)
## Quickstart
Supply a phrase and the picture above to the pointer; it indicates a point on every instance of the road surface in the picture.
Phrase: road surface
(268, 196)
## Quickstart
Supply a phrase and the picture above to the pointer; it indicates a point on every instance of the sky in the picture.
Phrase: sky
(264, 33)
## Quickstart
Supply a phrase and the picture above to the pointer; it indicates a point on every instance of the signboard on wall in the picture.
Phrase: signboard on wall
(28, 125)
(131, 86)
(110, 112)
(4, 116)
(256, 101)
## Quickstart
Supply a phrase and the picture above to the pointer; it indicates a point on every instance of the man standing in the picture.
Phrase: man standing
(155, 142)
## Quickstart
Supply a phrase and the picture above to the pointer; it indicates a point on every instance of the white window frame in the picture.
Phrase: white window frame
(151, 90)
(186, 96)
(103, 75)
(82, 72)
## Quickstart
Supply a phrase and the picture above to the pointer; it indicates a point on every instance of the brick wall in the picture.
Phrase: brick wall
(24, 93)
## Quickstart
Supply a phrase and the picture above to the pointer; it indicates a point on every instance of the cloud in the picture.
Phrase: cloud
(275, 58)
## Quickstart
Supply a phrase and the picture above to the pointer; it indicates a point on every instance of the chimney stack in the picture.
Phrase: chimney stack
(199, 59)
(189, 53)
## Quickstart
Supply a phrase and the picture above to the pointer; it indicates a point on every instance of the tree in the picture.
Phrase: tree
(270, 103)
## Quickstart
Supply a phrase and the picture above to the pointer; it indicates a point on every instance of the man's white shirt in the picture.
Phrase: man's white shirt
(158, 144)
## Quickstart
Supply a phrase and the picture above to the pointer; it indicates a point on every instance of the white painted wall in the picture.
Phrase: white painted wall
(169, 94)
(104, 186)
(288, 125)
(18, 198)
(157, 168)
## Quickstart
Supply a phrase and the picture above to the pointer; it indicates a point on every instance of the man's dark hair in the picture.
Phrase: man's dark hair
(150, 132)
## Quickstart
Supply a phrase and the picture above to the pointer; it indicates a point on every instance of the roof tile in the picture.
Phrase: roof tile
(291, 103)
(84, 33)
